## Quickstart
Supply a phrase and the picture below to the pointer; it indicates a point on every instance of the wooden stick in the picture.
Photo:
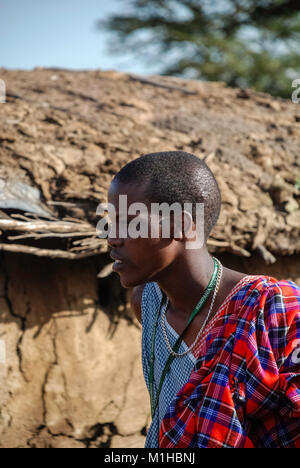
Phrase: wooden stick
(146, 81)
(266, 254)
(217, 243)
(46, 226)
(48, 253)
(51, 234)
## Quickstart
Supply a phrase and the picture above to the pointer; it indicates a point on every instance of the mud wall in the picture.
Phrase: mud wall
(73, 374)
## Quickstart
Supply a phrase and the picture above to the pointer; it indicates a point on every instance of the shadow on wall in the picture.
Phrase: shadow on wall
(34, 290)
(72, 376)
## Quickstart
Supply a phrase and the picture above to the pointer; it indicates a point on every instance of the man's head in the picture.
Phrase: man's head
(166, 177)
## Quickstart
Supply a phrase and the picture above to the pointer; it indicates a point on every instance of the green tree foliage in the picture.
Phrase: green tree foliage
(246, 43)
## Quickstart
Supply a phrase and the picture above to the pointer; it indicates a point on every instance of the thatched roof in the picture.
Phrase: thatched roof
(64, 134)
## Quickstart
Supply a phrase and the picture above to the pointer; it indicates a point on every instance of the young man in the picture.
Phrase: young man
(220, 349)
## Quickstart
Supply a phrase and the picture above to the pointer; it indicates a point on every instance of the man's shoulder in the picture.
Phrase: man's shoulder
(275, 301)
(269, 285)
(283, 298)
(263, 292)
(285, 287)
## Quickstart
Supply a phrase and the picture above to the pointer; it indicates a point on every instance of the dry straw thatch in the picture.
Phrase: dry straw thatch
(64, 134)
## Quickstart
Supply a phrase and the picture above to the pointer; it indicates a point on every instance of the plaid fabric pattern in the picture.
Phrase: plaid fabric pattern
(244, 390)
(181, 368)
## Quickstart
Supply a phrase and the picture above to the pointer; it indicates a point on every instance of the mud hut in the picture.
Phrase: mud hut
(71, 375)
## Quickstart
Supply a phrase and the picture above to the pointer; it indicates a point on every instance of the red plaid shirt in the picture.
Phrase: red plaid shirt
(245, 388)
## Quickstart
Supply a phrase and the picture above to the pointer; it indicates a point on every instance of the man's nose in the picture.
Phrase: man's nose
(114, 241)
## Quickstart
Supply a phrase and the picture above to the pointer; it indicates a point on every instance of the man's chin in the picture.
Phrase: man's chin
(130, 282)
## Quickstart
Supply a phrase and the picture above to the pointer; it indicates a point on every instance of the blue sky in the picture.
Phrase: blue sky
(59, 33)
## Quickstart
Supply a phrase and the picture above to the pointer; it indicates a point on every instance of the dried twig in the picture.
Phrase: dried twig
(218, 243)
(51, 234)
(146, 81)
(266, 255)
(92, 245)
(88, 243)
(3, 215)
(70, 204)
(239, 250)
(18, 248)
(88, 240)
(105, 271)
(44, 226)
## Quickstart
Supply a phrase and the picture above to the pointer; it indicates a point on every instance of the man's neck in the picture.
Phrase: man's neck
(186, 279)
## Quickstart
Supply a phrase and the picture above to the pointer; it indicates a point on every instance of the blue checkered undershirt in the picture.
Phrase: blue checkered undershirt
(180, 370)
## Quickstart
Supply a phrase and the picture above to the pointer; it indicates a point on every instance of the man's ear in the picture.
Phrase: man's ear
(183, 227)
(189, 227)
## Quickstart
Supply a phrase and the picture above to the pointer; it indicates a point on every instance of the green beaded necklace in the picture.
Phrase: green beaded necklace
(203, 300)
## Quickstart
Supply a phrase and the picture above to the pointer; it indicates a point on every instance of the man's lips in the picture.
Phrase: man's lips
(120, 262)
(116, 256)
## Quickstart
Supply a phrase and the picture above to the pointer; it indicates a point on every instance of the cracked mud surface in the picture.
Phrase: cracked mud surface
(66, 384)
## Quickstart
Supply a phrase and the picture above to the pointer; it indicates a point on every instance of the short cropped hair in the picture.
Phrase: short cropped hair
(176, 176)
